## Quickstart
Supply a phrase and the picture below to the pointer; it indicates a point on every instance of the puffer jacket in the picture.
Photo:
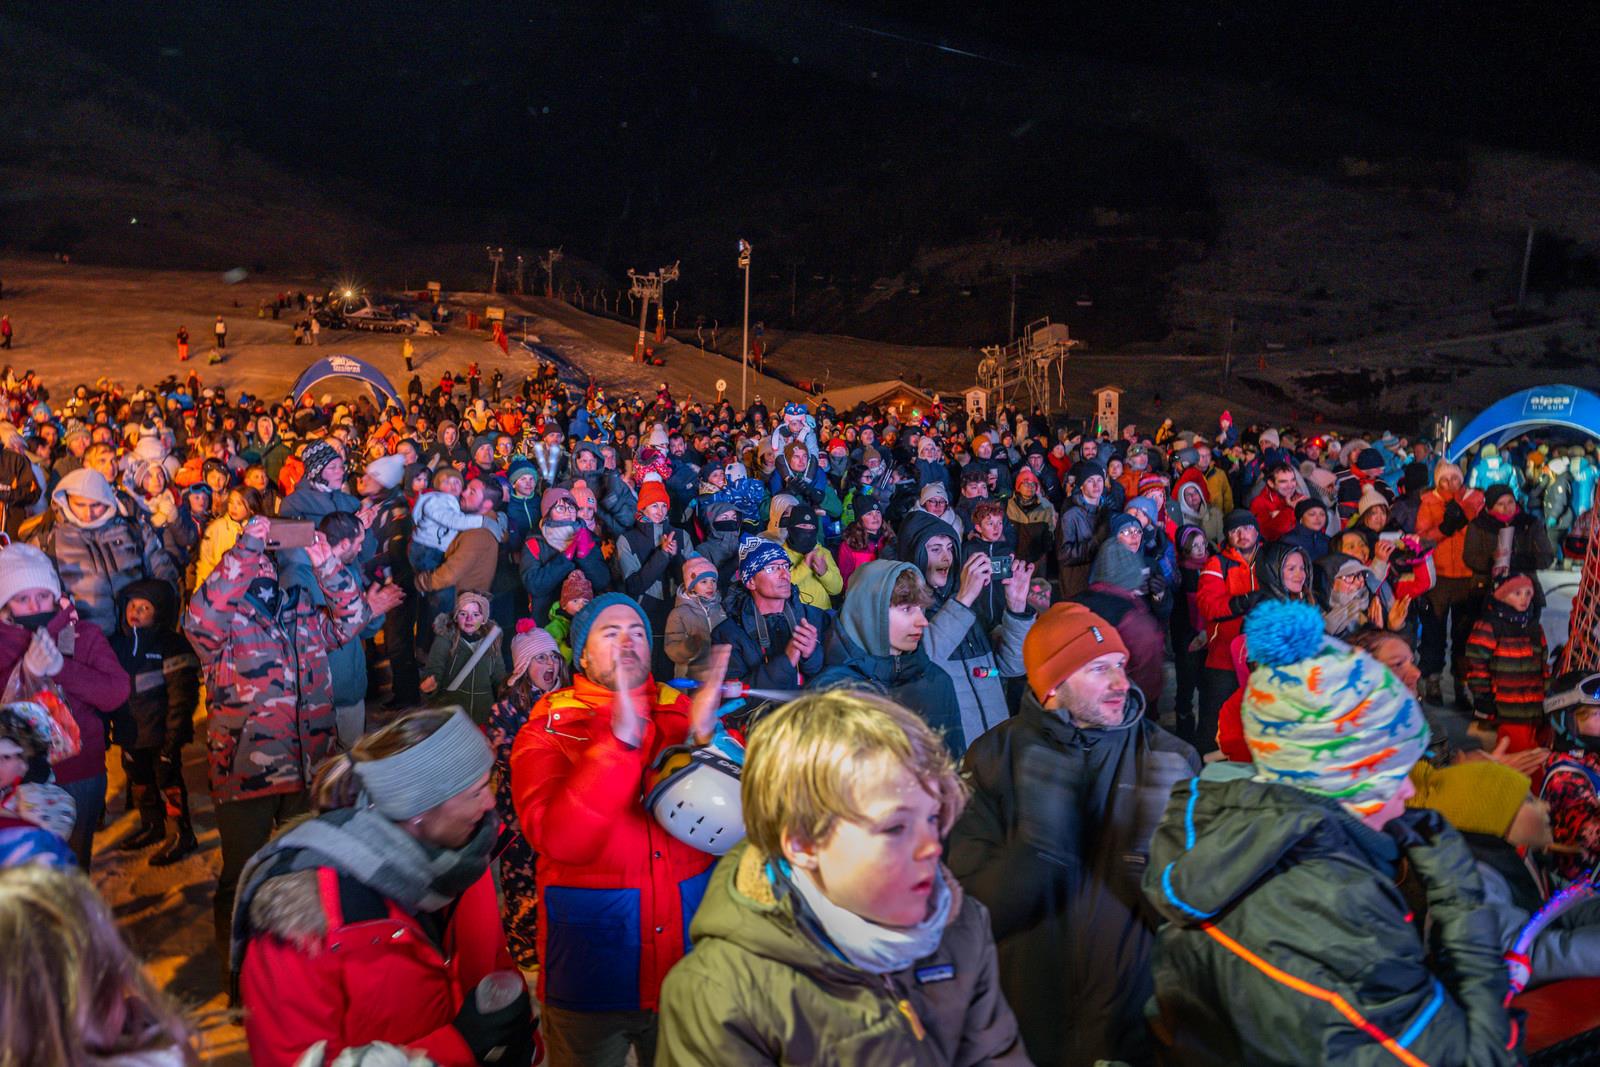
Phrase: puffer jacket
(1228, 589)
(1238, 869)
(615, 500)
(1054, 842)
(1506, 665)
(616, 891)
(759, 977)
(1530, 547)
(91, 679)
(19, 490)
(97, 565)
(688, 637)
(1446, 529)
(1082, 528)
(333, 960)
(269, 689)
(163, 673)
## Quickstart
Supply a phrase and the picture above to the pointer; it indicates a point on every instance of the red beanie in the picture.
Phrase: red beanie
(651, 492)
(1062, 640)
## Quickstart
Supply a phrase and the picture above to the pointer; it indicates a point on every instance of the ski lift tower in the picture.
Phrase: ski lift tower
(548, 261)
(647, 288)
(1029, 362)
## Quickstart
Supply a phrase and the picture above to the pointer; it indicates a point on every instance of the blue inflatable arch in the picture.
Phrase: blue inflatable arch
(347, 367)
(1531, 409)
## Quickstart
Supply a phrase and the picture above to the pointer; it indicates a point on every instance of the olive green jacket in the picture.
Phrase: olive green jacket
(759, 989)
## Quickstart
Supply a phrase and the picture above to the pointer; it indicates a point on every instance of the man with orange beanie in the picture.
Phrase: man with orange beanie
(1055, 838)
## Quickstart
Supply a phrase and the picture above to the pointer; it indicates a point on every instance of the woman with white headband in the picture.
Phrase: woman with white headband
(375, 920)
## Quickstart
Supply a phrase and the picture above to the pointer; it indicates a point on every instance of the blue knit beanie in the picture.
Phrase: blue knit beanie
(755, 553)
(585, 619)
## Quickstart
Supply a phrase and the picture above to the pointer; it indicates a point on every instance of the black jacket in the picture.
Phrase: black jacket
(163, 673)
(757, 643)
(1530, 548)
(1054, 843)
(1259, 883)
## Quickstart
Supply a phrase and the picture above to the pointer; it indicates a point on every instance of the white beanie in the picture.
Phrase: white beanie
(150, 449)
(23, 567)
(387, 470)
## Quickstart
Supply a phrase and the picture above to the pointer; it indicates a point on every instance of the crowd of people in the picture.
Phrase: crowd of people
(555, 726)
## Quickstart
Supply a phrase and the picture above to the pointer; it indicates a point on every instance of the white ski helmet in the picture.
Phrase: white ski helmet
(694, 795)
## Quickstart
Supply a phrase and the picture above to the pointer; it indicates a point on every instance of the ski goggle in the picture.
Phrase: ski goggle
(1587, 691)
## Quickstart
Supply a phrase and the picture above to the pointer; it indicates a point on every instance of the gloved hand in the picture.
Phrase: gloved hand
(1241, 604)
(1454, 521)
(504, 1036)
(43, 658)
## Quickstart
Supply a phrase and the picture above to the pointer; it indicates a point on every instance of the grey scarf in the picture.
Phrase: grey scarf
(373, 850)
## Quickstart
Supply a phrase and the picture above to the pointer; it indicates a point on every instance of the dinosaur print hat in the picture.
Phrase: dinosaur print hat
(1322, 716)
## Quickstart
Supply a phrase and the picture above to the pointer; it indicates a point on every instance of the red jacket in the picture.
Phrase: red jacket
(1273, 513)
(1226, 577)
(616, 891)
(91, 679)
(341, 963)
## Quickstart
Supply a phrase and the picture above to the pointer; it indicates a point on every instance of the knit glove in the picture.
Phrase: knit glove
(1241, 604)
(43, 658)
(1454, 521)
(504, 1036)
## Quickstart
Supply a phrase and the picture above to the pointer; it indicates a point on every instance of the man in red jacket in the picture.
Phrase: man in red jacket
(1228, 590)
(1274, 506)
(616, 891)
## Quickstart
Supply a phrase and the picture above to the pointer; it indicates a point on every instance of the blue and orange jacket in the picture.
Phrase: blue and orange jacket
(1287, 940)
(616, 891)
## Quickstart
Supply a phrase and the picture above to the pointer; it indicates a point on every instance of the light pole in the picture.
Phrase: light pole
(744, 343)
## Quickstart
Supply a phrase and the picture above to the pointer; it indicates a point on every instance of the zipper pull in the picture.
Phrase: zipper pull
(911, 1016)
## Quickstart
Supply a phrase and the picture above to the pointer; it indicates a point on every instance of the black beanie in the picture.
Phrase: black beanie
(1238, 519)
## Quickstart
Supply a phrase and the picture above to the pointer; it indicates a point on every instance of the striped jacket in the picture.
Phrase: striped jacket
(269, 688)
(1506, 659)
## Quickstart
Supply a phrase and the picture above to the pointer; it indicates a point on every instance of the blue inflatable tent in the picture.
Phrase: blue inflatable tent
(347, 367)
(1531, 409)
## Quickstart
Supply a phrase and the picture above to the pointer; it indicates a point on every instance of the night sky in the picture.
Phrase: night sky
(841, 138)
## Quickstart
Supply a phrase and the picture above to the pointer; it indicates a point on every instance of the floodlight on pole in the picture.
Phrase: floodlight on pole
(744, 343)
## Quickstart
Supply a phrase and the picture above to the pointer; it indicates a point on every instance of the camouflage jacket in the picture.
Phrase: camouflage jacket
(269, 689)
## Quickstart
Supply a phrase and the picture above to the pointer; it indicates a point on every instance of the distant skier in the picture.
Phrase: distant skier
(183, 344)
(222, 333)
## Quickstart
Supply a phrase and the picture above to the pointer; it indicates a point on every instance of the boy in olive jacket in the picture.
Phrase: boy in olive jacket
(835, 931)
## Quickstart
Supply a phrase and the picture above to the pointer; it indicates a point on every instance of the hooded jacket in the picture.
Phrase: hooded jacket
(269, 689)
(1237, 871)
(163, 672)
(760, 989)
(615, 502)
(1054, 842)
(978, 651)
(858, 654)
(96, 563)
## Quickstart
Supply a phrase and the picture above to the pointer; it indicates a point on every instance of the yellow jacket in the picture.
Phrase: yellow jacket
(818, 590)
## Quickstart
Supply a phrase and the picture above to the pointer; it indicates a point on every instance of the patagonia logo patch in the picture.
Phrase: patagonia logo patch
(941, 972)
